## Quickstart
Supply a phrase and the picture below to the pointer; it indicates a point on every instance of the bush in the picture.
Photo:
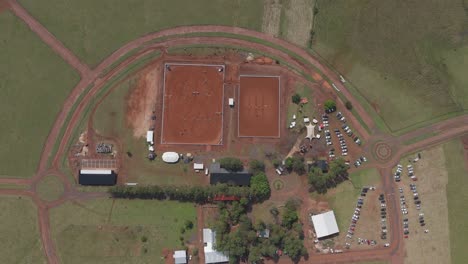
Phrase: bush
(276, 163)
(296, 98)
(256, 167)
(349, 105)
(144, 239)
(188, 224)
(330, 104)
(231, 164)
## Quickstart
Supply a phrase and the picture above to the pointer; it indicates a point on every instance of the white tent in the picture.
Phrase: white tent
(325, 224)
(310, 131)
(198, 166)
(170, 157)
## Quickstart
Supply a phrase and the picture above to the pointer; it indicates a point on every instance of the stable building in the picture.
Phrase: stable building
(220, 175)
(325, 224)
(97, 177)
(180, 257)
(211, 255)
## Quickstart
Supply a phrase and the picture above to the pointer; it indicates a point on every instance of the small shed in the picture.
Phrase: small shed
(198, 166)
(306, 120)
(231, 102)
(180, 257)
(150, 137)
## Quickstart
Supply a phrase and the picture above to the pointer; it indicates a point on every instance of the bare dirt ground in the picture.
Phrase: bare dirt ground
(142, 100)
(431, 186)
(271, 17)
(299, 17)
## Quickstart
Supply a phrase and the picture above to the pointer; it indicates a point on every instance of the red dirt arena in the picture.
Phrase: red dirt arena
(193, 104)
(259, 112)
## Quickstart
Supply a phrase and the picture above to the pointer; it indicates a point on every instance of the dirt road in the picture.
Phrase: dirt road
(447, 129)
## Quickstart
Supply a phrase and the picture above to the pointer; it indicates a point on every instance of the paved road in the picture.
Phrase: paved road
(447, 129)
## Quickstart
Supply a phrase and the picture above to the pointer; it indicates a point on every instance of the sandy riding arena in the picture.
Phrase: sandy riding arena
(193, 104)
(259, 106)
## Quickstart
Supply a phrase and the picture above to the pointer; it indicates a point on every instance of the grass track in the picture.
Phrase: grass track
(93, 29)
(107, 231)
(457, 200)
(20, 239)
(34, 82)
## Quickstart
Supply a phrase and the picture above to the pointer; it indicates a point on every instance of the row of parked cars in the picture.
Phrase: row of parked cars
(359, 161)
(383, 216)
(404, 211)
(343, 146)
(397, 175)
(417, 202)
(411, 172)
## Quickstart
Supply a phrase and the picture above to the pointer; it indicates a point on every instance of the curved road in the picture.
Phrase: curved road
(447, 129)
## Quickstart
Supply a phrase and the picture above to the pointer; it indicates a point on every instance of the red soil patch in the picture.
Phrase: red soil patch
(326, 85)
(193, 104)
(316, 77)
(142, 99)
(259, 107)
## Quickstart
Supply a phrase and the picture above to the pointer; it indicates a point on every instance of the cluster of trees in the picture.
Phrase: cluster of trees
(337, 173)
(260, 187)
(256, 166)
(296, 164)
(185, 193)
(231, 164)
(243, 243)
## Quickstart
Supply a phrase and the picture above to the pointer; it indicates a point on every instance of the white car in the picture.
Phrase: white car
(386, 245)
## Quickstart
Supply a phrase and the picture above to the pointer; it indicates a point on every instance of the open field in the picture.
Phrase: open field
(108, 231)
(193, 104)
(457, 198)
(34, 81)
(88, 27)
(296, 21)
(110, 120)
(414, 62)
(50, 188)
(271, 17)
(432, 175)
(259, 109)
(21, 241)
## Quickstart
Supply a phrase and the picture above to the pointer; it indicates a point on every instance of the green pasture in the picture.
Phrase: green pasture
(407, 59)
(34, 82)
(457, 198)
(94, 29)
(119, 231)
(21, 241)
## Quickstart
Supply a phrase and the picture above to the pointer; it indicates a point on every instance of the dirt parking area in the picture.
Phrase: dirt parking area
(193, 104)
(432, 247)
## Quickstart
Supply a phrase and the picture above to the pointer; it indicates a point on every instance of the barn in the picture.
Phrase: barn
(97, 177)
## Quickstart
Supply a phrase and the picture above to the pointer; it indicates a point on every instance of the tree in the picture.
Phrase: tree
(188, 224)
(330, 104)
(276, 163)
(298, 165)
(294, 248)
(260, 187)
(349, 105)
(256, 166)
(288, 163)
(274, 211)
(255, 255)
(289, 218)
(296, 98)
(231, 164)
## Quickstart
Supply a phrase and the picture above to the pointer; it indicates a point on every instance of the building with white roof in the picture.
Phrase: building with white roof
(325, 224)
(180, 257)
(211, 255)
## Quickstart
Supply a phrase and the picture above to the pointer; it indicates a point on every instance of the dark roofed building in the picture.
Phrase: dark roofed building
(97, 177)
(220, 175)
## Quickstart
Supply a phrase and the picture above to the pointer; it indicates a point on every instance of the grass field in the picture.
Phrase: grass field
(109, 120)
(20, 234)
(457, 200)
(415, 60)
(366, 177)
(50, 188)
(93, 29)
(34, 82)
(108, 231)
(301, 112)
